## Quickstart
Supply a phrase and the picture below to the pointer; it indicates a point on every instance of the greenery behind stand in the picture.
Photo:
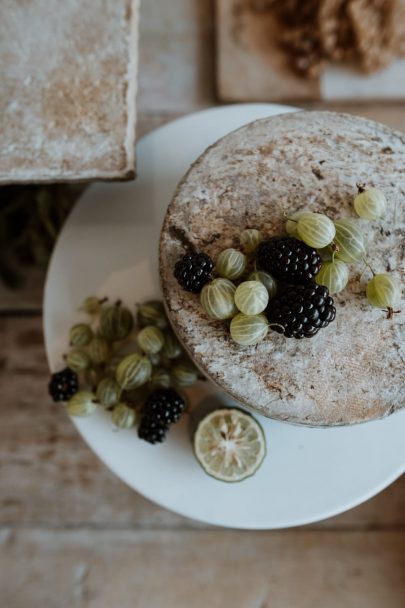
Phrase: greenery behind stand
(30, 220)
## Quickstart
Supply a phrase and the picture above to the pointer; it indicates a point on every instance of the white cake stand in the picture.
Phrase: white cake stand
(109, 247)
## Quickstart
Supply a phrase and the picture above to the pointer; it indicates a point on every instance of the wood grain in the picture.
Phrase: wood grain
(250, 64)
(72, 534)
(50, 478)
(177, 55)
(179, 569)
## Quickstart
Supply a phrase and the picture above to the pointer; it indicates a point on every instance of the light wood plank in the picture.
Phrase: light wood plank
(176, 569)
(49, 477)
(177, 55)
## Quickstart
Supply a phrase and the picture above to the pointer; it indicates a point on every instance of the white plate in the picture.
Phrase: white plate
(109, 247)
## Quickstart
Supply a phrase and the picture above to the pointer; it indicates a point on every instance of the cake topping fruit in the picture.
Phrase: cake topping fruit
(63, 385)
(384, 291)
(315, 229)
(292, 223)
(250, 239)
(349, 242)
(248, 330)
(370, 203)
(267, 280)
(334, 275)
(218, 299)
(288, 259)
(313, 256)
(300, 311)
(231, 264)
(229, 444)
(251, 297)
(192, 271)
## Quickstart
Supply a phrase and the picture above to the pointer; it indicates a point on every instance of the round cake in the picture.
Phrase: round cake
(354, 369)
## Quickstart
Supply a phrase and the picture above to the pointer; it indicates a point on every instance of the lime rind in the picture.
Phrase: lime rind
(229, 444)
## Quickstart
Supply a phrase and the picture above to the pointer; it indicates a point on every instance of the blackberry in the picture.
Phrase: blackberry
(288, 259)
(162, 408)
(164, 405)
(192, 271)
(152, 431)
(63, 385)
(301, 310)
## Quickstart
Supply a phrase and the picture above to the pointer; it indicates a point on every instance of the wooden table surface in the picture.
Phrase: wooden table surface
(72, 534)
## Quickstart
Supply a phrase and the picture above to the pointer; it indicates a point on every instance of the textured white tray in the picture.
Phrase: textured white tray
(109, 247)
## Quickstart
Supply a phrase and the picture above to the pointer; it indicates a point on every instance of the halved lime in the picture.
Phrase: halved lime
(229, 444)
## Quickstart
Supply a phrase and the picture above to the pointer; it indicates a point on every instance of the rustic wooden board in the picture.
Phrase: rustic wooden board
(179, 569)
(251, 66)
(68, 90)
(49, 477)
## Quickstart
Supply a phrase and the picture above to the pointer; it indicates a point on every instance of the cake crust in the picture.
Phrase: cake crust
(351, 371)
